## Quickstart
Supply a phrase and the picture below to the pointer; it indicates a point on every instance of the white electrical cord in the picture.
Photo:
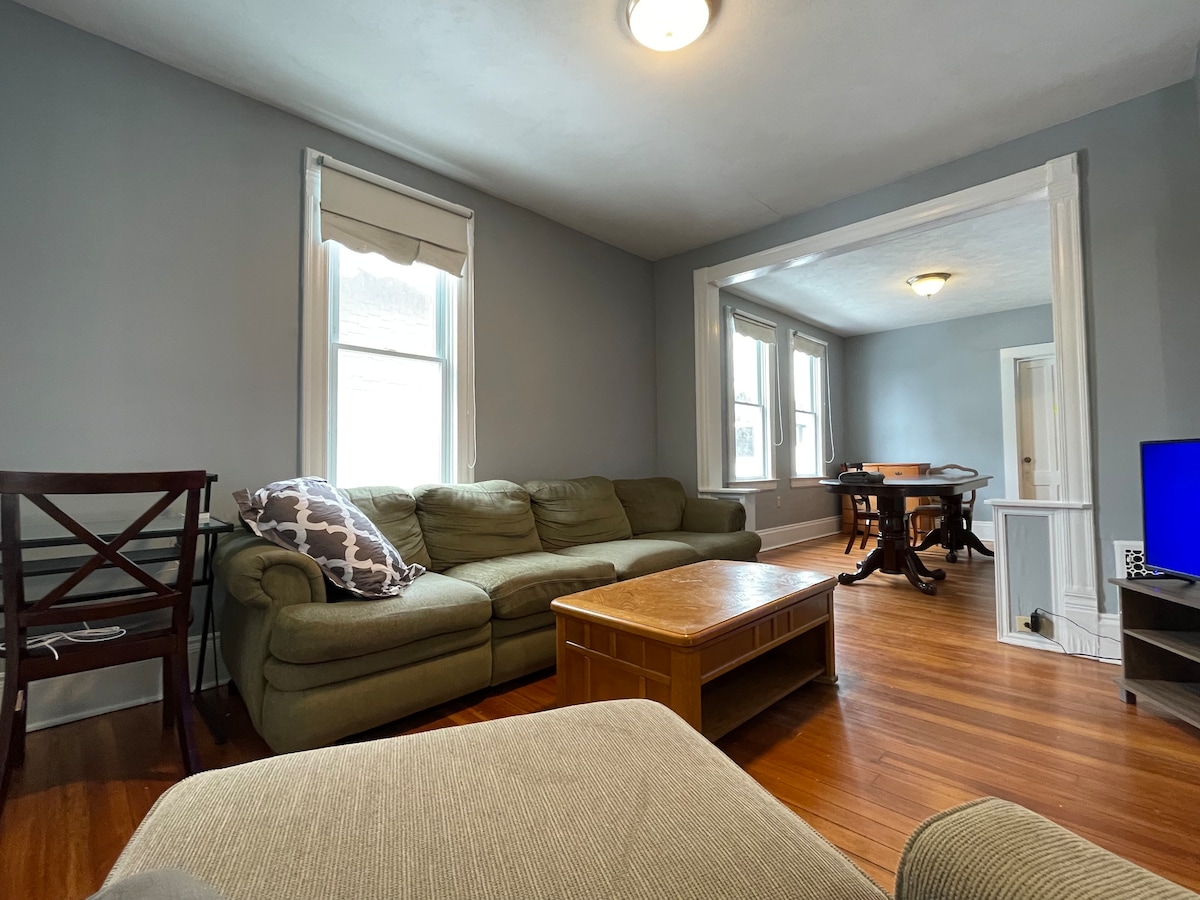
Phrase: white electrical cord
(84, 635)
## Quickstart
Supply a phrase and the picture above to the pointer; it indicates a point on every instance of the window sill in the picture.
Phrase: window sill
(804, 481)
(750, 487)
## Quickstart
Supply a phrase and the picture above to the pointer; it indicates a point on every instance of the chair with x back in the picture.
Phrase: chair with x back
(30, 650)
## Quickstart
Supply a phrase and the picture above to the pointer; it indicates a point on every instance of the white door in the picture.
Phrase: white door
(1037, 440)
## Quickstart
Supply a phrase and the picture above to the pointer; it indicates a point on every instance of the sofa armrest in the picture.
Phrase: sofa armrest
(990, 849)
(712, 515)
(260, 575)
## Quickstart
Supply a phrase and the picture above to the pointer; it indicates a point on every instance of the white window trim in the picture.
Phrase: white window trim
(822, 410)
(770, 481)
(316, 328)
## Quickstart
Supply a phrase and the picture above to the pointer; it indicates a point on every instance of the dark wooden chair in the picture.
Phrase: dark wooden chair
(931, 511)
(65, 605)
(865, 518)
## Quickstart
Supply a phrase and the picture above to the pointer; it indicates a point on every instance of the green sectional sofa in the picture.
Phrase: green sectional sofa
(314, 665)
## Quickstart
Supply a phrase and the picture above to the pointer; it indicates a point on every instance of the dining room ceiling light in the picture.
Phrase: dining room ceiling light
(929, 284)
(667, 24)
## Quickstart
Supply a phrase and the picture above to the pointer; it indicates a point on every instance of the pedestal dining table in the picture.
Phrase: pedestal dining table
(894, 555)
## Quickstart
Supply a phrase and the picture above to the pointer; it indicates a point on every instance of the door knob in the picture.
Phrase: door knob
(1029, 459)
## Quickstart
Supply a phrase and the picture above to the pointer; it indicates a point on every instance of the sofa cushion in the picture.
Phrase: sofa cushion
(431, 605)
(463, 523)
(636, 557)
(652, 504)
(502, 628)
(286, 676)
(394, 512)
(743, 545)
(577, 511)
(312, 516)
(524, 584)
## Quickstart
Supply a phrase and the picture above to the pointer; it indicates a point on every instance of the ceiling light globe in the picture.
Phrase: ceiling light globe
(667, 24)
(930, 284)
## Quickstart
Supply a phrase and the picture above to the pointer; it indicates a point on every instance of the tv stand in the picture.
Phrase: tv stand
(1160, 645)
(1160, 576)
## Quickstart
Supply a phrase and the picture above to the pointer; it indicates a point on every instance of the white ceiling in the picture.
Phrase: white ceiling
(782, 106)
(997, 262)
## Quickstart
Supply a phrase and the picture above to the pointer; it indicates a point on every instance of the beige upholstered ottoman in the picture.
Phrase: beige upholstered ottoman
(616, 800)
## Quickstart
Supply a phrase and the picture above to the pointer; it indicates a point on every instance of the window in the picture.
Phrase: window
(808, 395)
(387, 364)
(751, 346)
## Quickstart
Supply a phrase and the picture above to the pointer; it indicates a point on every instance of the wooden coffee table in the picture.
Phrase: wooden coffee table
(716, 641)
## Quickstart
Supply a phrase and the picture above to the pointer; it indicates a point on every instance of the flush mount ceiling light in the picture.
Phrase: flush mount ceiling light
(667, 24)
(929, 284)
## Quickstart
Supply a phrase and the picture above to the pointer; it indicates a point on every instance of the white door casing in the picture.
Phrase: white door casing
(1057, 183)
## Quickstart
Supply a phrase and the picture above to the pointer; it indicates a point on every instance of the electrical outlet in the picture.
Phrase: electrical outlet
(779, 503)
(1023, 623)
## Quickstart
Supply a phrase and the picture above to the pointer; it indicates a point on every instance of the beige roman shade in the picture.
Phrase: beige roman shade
(369, 218)
(761, 331)
(807, 345)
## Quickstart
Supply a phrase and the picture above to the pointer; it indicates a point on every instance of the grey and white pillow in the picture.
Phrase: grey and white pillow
(314, 517)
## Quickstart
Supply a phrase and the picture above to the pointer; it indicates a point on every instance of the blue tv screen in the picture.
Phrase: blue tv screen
(1170, 491)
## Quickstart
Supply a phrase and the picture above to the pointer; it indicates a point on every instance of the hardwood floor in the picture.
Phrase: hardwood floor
(929, 711)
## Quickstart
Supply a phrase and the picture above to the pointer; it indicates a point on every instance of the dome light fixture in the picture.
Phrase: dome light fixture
(929, 284)
(667, 24)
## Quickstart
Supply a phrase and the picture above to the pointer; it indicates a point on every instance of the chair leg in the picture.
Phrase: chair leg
(168, 693)
(8, 724)
(853, 535)
(20, 730)
(866, 534)
(183, 713)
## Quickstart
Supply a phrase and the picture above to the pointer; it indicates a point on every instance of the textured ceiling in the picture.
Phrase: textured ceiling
(782, 106)
(998, 261)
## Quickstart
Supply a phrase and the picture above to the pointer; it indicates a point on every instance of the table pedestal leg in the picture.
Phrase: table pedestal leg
(951, 534)
(894, 556)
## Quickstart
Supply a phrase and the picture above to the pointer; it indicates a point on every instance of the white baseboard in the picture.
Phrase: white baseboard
(55, 701)
(985, 531)
(784, 535)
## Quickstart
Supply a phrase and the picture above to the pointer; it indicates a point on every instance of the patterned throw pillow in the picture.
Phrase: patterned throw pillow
(314, 517)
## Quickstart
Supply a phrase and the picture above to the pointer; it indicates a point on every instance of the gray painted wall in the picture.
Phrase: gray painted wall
(786, 504)
(932, 393)
(1141, 221)
(151, 306)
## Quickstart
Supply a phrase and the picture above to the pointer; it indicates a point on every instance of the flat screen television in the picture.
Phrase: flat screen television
(1170, 492)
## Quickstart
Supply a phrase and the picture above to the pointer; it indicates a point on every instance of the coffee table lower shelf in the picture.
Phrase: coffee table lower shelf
(738, 696)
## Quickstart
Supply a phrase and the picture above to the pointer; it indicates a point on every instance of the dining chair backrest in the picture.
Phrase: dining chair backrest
(61, 604)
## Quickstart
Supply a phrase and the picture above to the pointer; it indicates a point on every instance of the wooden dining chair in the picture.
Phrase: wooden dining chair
(27, 657)
(932, 511)
(864, 517)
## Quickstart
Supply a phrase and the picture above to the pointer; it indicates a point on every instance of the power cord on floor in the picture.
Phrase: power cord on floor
(84, 635)
(1038, 612)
